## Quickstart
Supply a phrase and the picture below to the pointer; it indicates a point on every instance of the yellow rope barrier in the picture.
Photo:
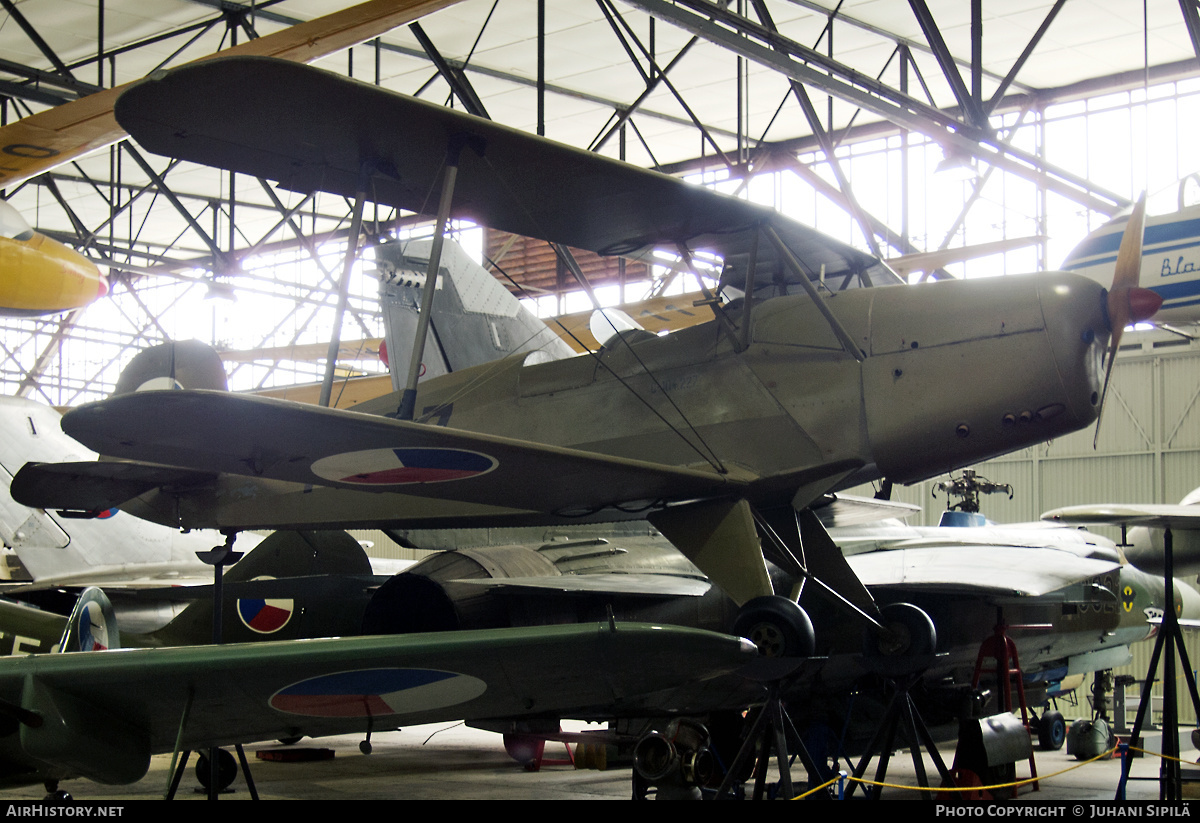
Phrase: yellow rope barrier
(1015, 783)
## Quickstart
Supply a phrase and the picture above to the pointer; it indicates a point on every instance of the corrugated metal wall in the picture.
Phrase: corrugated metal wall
(1141, 664)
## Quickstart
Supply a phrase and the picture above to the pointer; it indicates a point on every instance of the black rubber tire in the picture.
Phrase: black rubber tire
(915, 633)
(778, 626)
(227, 769)
(1052, 732)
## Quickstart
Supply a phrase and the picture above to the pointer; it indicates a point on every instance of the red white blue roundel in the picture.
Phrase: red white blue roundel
(265, 616)
(396, 467)
(93, 628)
(376, 693)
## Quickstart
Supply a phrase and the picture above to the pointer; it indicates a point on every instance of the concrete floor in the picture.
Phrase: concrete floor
(449, 761)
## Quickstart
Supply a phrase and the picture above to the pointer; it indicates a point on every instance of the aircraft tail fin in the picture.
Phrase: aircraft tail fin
(92, 625)
(300, 554)
(475, 319)
(183, 364)
(294, 584)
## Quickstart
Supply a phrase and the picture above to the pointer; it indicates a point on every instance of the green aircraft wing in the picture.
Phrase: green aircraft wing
(102, 715)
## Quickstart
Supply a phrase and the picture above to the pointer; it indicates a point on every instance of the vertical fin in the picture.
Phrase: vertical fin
(475, 318)
(92, 625)
(184, 364)
(325, 596)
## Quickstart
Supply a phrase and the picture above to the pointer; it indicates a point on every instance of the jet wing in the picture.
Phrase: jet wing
(645, 585)
(49, 138)
(103, 714)
(507, 180)
(995, 570)
(1155, 515)
(220, 433)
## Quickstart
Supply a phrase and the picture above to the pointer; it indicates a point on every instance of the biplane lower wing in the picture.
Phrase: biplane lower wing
(102, 716)
(216, 433)
(93, 486)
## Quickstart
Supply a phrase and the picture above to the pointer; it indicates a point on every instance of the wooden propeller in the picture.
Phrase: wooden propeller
(1127, 301)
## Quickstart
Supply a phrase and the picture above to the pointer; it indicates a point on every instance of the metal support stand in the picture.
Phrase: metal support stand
(218, 557)
(1170, 639)
(768, 733)
(1001, 649)
(902, 708)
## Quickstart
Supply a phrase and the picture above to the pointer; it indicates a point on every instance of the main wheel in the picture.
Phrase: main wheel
(226, 769)
(1052, 731)
(910, 633)
(778, 626)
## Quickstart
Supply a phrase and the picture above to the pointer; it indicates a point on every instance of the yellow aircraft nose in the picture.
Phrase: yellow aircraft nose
(39, 275)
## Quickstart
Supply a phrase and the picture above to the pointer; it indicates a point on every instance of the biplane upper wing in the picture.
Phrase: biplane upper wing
(211, 433)
(46, 139)
(313, 130)
(103, 715)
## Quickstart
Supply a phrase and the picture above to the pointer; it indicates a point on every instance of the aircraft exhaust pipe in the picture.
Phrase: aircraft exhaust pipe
(679, 755)
(655, 757)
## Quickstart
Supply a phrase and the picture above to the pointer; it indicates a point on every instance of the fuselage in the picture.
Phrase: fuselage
(955, 372)
(39, 275)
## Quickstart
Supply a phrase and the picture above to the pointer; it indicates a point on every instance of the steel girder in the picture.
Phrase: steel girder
(757, 42)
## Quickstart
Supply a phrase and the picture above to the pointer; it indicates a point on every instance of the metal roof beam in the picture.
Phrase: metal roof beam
(1191, 19)
(914, 45)
(1028, 50)
(941, 52)
(808, 66)
(826, 143)
(36, 38)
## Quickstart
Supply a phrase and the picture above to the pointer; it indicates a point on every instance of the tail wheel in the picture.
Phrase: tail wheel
(777, 626)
